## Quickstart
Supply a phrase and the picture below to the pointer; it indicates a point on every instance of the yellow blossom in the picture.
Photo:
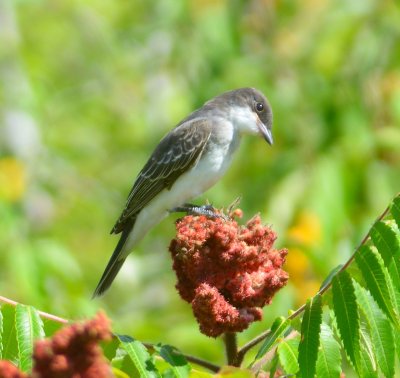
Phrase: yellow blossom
(301, 275)
(307, 230)
(297, 265)
(307, 289)
(12, 179)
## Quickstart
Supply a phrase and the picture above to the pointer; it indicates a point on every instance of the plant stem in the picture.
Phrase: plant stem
(45, 315)
(242, 351)
(262, 336)
(198, 361)
(231, 348)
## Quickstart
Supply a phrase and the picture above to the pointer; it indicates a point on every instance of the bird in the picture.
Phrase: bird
(188, 160)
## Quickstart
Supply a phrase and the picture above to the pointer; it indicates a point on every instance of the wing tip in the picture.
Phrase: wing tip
(114, 264)
(108, 277)
(100, 290)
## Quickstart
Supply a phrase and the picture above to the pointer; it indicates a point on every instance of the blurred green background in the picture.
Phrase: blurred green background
(89, 88)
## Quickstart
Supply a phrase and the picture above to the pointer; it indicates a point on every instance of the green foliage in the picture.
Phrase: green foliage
(279, 326)
(329, 358)
(288, 353)
(386, 240)
(29, 327)
(273, 366)
(328, 280)
(377, 281)
(8, 340)
(22, 325)
(1, 335)
(364, 302)
(131, 357)
(310, 330)
(179, 368)
(395, 210)
(140, 357)
(380, 331)
(348, 322)
(367, 366)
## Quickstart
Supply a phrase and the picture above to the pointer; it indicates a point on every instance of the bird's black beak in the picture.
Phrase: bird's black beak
(266, 132)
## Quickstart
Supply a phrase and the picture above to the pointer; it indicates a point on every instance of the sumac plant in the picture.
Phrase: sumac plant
(228, 273)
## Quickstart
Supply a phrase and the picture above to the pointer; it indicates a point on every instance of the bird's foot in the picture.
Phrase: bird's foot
(207, 210)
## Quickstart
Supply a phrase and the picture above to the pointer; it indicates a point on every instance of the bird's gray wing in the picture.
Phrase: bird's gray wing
(178, 151)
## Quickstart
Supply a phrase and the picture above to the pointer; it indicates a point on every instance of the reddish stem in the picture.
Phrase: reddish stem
(231, 348)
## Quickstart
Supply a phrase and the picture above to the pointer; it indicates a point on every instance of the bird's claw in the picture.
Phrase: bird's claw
(207, 210)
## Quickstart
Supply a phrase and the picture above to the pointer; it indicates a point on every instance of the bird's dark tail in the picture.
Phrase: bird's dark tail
(113, 266)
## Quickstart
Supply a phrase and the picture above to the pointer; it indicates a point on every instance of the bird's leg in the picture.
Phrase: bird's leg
(206, 210)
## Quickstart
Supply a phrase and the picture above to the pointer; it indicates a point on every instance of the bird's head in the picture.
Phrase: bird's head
(249, 111)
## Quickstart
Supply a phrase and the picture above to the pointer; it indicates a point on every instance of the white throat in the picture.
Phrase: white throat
(244, 120)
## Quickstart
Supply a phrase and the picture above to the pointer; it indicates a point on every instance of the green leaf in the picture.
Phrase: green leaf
(310, 330)
(279, 326)
(332, 274)
(140, 357)
(386, 241)
(346, 314)
(288, 353)
(375, 276)
(1, 335)
(234, 372)
(8, 340)
(29, 327)
(380, 330)
(117, 373)
(110, 348)
(179, 365)
(397, 343)
(395, 210)
(329, 358)
(368, 365)
(127, 366)
(200, 374)
(273, 366)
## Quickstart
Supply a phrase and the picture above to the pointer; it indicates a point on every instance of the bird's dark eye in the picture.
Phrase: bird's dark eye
(259, 107)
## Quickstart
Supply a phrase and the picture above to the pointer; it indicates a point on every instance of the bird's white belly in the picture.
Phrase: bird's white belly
(191, 184)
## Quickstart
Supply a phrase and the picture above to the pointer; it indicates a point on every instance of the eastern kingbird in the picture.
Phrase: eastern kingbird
(190, 159)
